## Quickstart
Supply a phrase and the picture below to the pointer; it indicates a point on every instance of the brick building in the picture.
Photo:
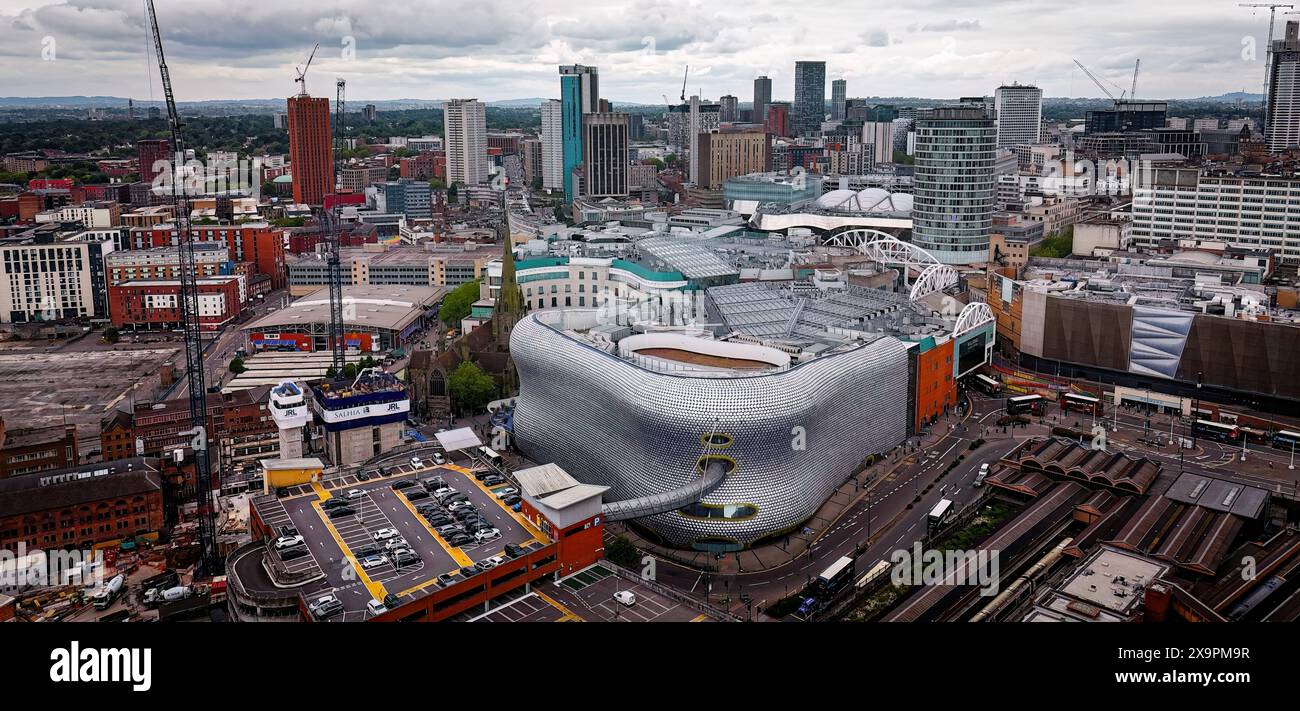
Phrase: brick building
(83, 506)
(156, 303)
(255, 242)
(27, 450)
(240, 429)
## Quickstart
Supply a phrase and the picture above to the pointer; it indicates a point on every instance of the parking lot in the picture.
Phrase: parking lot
(589, 594)
(374, 506)
(528, 608)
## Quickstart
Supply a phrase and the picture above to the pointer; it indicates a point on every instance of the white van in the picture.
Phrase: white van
(491, 456)
(626, 597)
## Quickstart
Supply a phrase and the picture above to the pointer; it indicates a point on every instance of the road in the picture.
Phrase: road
(892, 514)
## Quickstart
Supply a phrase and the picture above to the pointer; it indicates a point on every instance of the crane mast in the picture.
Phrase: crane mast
(210, 558)
(337, 346)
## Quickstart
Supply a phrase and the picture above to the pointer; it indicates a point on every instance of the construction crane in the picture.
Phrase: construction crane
(334, 261)
(684, 78)
(1268, 48)
(1133, 90)
(210, 561)
(302, 73)
(1101, 86)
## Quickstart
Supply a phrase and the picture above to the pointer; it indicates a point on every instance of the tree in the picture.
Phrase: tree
(237, 365)
(331, 373)
(350, 371)
(457, 304)
(470, 388)
(620, 551)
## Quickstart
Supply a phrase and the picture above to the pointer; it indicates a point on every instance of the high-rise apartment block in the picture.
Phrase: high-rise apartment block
(809, 98)
(952, 209)
(465, 131)
(579, 95)
(1019, 114)
(311, 151)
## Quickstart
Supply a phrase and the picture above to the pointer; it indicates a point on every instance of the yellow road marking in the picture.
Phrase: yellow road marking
(456, 554)
(568, 614)
(321, 491)
(376, 589)
(518, 517)
(700, 618)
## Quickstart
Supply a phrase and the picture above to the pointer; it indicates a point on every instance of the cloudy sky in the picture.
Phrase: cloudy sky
(494, 50)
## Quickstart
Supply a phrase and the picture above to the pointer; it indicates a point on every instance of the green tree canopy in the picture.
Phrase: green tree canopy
(237, 365)
(456, 305)
(470, 388)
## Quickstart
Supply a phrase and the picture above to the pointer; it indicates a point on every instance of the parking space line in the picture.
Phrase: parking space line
(456, 554)
(376, 589)
(568, 614)
(518, 517)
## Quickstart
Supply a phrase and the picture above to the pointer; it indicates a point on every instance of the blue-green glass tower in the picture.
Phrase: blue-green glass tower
(579, 94)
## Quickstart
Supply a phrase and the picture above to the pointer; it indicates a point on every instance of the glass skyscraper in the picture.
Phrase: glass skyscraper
(809, 97)
(579, 94)
(952, 208)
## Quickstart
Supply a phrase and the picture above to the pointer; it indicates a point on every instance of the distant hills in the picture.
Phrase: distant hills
(225, 105)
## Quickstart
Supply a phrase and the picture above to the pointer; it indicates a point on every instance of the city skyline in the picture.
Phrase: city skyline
(934, 49)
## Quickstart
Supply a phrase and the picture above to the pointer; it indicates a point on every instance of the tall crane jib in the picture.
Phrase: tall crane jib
(210, 562)
(338, 347)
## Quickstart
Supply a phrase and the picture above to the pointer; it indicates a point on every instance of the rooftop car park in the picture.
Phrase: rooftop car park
(355, 567)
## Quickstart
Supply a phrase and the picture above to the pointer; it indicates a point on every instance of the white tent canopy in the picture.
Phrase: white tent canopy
(458, 439)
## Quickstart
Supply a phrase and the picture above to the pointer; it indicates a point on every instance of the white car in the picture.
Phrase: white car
(375, 607)
(443, 493)
(438, 458)
(458, 505)
(325, 606)
(487, 534)
(373, 561)
(355, 493)
(384, 534)
(496, 560)
(284, 542)
(506, 492)
(392, 543)
(625, 597)
(415, 462)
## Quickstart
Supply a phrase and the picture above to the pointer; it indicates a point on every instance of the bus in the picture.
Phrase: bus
(940, 514)
(1216, 430)
(1286, 439)
(1086, 404)
(835, 578)
(986, 385)
(1033, 404)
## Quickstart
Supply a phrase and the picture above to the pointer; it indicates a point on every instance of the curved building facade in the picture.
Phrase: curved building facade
(788, 434)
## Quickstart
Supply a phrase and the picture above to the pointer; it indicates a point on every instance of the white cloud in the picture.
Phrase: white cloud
(498, 49)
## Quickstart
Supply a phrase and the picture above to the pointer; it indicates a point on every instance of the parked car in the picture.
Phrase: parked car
(375, 607)
(415, 462)
(355, 493)
(512, 500)
(325, 606)
(291, 553)
(487, 534)
(438, 458)
(405, 556)
(460, 539)
(281, 492)
(367, 550)
(284, 542)
(446, 579)
(384, 534)
(458, 505)
(417, 494)
(395, 543)
(373, 561)
(341, 511)
(362, 476)
(514, 551)
(402, 484)
(508, 491)
(334, 503)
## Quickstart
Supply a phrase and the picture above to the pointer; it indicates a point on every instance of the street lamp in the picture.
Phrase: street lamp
(1292, 455)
